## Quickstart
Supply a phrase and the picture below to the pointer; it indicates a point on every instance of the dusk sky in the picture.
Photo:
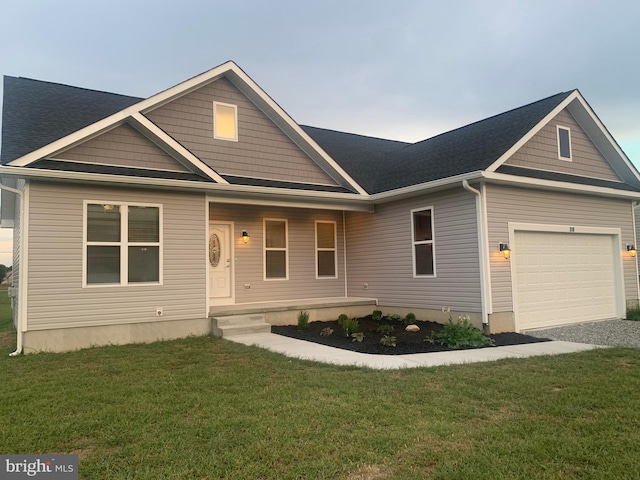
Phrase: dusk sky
(404, 70)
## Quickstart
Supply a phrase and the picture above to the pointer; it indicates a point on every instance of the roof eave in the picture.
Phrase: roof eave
(555, 185)
(237, 193)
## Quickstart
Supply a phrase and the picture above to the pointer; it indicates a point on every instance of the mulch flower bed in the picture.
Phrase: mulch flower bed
(406, 342)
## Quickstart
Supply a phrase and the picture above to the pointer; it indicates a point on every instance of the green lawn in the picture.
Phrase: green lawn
(205, 408)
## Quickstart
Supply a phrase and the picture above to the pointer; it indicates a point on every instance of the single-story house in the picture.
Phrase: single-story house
(141, 219)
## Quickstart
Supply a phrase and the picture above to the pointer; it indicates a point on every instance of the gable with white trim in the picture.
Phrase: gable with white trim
(122, 146)
(262, 149)
(541, 151)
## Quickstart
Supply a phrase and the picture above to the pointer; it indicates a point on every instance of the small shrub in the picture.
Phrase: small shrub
(388, 341)
(350, 326)
(386, 329)
(342, 318)
(633, 314)
(376, 315)
(357, 337)
(303, 320)
(325, 332)
(431, 338)
(410, 318)
(462, 334)
(394, 317)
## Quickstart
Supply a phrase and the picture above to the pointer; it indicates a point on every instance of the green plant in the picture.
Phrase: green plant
(410, 318)
(461, 334)
(350, 326)
(357, 337)
(431, 338)
(633, 313)
(394, 317)
(303, 320)
(325, 332)
(342, 318)
(386, 329)
(376, 315)
(388, 341)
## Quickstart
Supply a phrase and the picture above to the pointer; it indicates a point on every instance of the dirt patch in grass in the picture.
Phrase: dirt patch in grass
(406, 342)
(6, 339)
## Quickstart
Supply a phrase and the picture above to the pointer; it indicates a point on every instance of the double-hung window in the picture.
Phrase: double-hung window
(276, 261)
(122, 243)
(326, 258)
(423, 249)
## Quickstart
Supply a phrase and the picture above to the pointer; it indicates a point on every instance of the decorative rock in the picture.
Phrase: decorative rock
(412, 328)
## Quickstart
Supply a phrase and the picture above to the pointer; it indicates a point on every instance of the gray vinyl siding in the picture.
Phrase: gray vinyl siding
(56, 298)
(541, 152)
(507, 204)
(262, 149)
(379, 253)
(122, 146)
(249, 267)
(17, 245)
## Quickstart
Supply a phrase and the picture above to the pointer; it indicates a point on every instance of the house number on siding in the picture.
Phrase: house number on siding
(214, 250)
(572, 229)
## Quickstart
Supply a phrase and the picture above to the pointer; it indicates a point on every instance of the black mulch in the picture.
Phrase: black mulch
(406, 342)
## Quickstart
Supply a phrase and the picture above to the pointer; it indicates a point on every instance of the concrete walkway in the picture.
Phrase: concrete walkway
(292, 347)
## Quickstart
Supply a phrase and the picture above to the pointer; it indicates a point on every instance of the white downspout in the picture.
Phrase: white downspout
(635, 205)
(482, 250)
(21, 276)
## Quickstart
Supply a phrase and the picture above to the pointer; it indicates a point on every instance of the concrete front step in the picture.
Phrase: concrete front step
(239, 325)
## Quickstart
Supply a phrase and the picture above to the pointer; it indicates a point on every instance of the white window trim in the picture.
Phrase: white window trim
(431, 242)
(560, 157)
(275, 249)
(124, 250)
(334, 250)
(235, 119)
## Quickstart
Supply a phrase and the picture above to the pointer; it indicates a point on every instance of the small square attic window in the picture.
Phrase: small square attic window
(564, 143)
(225, 121)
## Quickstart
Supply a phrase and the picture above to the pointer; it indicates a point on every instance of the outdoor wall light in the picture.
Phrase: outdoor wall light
(632, 250)
(245, 237)
(504, 249)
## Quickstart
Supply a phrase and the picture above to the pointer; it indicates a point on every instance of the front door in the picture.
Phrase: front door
(220, 264)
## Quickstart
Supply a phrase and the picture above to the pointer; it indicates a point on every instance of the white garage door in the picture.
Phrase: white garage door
(563, 278)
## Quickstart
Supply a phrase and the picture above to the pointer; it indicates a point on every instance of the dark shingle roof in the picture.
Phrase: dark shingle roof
(357, 154)
(463, 150)
(36, 113)
(113, 170)
(263, 182)
(564, 177)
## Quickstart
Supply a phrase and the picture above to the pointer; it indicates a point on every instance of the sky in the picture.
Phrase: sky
(404, 70)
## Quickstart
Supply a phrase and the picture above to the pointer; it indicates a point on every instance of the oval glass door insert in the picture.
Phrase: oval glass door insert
(214, 250)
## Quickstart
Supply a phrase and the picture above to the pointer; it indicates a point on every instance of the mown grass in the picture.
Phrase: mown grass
(205, 408)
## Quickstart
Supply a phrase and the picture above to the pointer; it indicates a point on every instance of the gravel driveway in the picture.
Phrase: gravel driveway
(617, 333)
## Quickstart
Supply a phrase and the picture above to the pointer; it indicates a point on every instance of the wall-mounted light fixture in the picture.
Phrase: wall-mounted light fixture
(245, 237)
(504, 249)
(632, 250)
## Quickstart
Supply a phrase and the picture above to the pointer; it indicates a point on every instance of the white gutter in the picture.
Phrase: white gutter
(21, 286)
(485, 281)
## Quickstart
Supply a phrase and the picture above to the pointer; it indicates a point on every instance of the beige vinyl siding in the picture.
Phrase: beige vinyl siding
(262, 149)
(249, 267)
(122, 146)
(507, 204)
(541, 152)
(56, 298)
(379, 253)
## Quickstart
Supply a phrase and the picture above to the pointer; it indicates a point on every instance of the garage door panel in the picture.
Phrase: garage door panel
(563, 278)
